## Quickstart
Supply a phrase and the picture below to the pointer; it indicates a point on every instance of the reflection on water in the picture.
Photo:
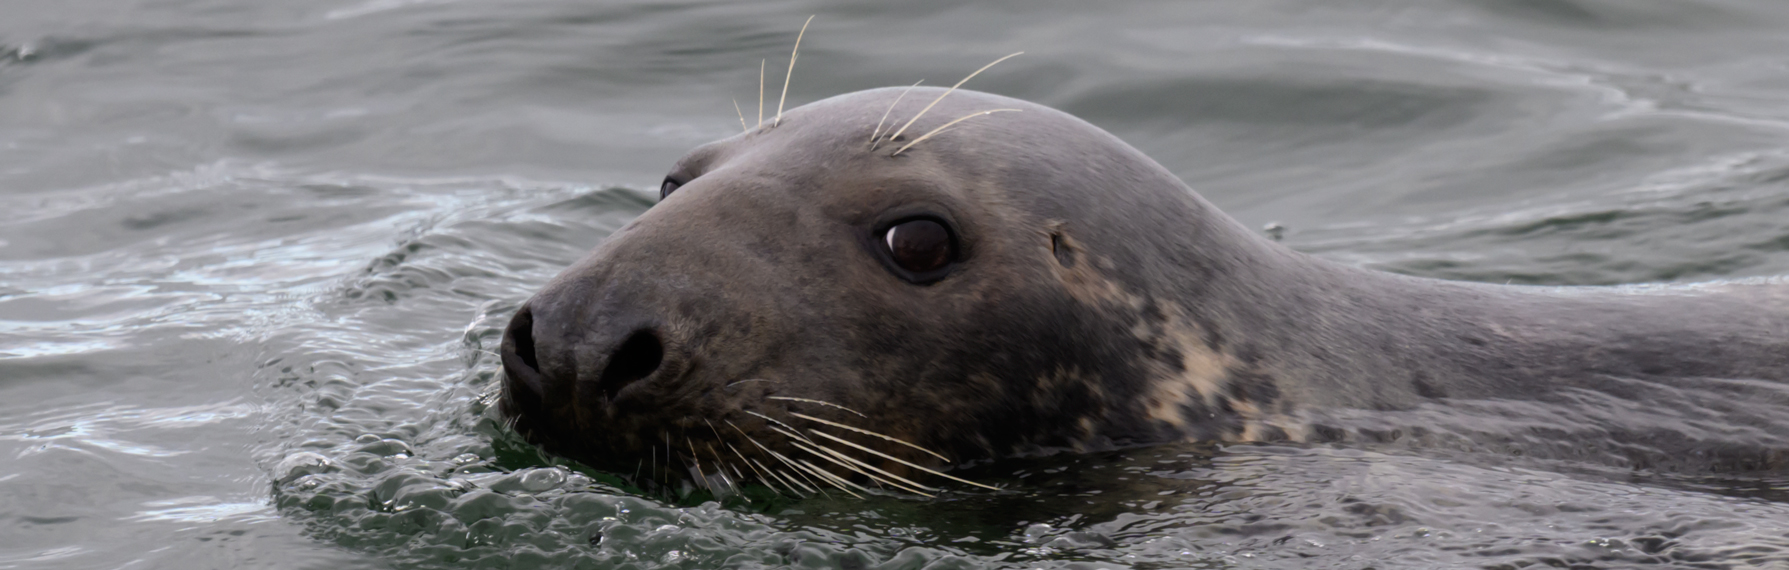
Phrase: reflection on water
(254, 260)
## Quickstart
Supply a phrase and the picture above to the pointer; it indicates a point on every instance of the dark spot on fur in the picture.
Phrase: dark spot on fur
(1205, 423)
(1250, 385)
(1473, 340)
(1175, 360)
(1273, 433)
(1382, 436)
(1214, 340)
(1153, 313)
(1424, 388)
(1327, 434)
(1248, 355)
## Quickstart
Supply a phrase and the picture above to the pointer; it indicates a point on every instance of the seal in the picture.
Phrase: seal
(827, 299)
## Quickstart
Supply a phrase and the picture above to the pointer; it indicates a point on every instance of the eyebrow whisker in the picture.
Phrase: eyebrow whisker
(946, 126)
(953, 89)
(792, 55)
(891, 106)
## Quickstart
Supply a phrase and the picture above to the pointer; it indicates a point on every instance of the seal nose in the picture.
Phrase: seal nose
(530, 385)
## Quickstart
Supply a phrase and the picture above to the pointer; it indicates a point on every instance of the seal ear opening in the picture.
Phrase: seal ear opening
(1059, 247)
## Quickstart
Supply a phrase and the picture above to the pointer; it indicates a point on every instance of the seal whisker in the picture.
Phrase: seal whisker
(946, 126)
(652, 455)
(792, 430)
(821, 402)
(891, 106)
(779, 456)
(836, 480)
(795, 487)
(702, 478)
(667, 473)
(754, 468)
(898, 460)
(761, 91)
(748, 437)
(741, 116)
(720, 463)
(821, 453)
(869, 433)
(736, 382)
(789, 481)
(732, 486)
(947, 92)
(792, 55)
(796, 437)
(686, 465)
(847, 462)
(803, 472)
(904, 483)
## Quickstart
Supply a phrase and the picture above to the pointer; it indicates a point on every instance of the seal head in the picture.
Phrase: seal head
(996, 323)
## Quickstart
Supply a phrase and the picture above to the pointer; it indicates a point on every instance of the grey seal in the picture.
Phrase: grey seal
(821, 298)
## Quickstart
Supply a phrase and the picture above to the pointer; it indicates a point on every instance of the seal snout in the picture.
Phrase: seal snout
(543, 369)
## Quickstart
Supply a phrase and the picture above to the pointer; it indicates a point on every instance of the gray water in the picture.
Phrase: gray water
(255, 257)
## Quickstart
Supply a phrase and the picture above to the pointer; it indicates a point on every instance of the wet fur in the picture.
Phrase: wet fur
(1101, 303)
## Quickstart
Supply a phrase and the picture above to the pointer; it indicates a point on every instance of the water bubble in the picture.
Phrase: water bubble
(542, 479)
(300, 464)
(393, 448)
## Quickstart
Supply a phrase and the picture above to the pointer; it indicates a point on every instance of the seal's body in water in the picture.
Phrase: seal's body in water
(1025, 281)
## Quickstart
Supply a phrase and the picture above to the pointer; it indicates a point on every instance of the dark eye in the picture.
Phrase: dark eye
(665, 190)
(921, 246)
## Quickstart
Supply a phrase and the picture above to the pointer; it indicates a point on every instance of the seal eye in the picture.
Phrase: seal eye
(669, 186)
(922, 246)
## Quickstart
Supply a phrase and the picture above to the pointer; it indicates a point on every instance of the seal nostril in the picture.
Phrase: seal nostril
(521, 332)
(637, 358)
(523, 386)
